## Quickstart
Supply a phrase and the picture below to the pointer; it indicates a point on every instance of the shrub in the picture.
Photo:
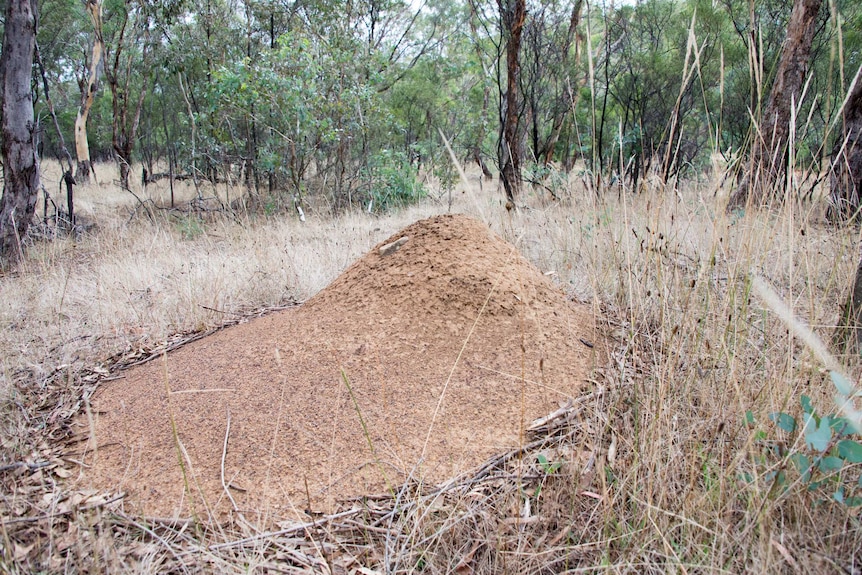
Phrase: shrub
(392, 182)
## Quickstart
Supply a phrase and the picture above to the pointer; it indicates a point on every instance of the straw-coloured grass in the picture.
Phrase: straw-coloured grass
(661, 469)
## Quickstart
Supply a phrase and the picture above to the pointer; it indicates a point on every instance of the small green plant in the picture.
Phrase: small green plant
(547, 177)
(190, 227)
(825, 461)
(547, 467)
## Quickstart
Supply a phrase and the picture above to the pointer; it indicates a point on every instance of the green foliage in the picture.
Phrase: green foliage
(824, 456)
(548, 178)
(392, 182)
(190, 227)
(547, 467)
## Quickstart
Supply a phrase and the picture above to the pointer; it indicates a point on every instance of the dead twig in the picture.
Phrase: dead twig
(39, 518)
(20, 464)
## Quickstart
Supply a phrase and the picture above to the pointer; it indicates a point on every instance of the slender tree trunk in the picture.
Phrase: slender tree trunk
(513, 14)
(18, 128)
(845, 190)
(88, 92)
(253, 181)
(569, 98)
(845, 178)
(126, 111)
(67, 171)
(486, 97)
(764, 174)
(847, 337)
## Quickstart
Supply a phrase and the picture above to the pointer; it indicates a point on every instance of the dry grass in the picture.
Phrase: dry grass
(651, 463)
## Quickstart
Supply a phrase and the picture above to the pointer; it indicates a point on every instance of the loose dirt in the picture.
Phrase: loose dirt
(419, 362)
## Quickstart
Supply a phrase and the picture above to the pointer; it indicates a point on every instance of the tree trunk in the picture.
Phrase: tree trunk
(18, 128)
(764, 174)
(845, 183)
(568, 100)
(513, 13)
(88, 92)
(845, 178)
(67, 171)
(127, 111)
(847, 338)
(486, 97)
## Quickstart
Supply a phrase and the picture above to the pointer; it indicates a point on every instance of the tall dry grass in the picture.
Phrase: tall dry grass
(652, 463)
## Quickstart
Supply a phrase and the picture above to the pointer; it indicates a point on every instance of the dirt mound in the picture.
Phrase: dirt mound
(345, 394)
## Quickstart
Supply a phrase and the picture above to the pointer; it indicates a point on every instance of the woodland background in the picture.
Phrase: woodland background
(348, 101)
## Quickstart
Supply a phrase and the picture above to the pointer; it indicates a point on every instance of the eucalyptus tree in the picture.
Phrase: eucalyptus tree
(845, 194)
(133, 31)
(762, 176)
(88, 85)
(17, 127)
(551, 76)
(513, 15)
(63, 39)
(845, 174)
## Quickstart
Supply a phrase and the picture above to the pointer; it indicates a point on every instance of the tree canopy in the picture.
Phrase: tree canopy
(349, 99)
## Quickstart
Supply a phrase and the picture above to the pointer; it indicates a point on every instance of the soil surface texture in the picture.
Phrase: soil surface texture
(420, 361)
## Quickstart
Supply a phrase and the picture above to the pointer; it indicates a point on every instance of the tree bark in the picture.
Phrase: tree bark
(513, 14)
(127, 111)
(88, 92)
(845, 183)
(18, 128)
(764, 175)
(845, 177)
(569, 99)
(847, 338)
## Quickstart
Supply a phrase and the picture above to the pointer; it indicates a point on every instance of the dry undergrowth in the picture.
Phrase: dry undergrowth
(645, 475)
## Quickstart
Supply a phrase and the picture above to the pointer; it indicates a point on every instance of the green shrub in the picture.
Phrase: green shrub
(823, 457)
(392, 182)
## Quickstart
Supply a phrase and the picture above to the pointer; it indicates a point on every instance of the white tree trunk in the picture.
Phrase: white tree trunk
(82, 144)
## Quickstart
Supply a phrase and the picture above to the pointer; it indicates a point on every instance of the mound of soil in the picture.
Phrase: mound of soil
(419, 361)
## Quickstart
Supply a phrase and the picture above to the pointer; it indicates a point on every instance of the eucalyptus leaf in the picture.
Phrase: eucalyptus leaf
(850, 451)
(839, 495)
(801, 462)
(806, 404)
(830, 464)
(817, 435)
(784, 421)
(842, 384)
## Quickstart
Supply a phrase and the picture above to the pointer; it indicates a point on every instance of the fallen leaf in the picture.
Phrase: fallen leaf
(785, 553)
(465, 565)
(62, 473)
(21, 551)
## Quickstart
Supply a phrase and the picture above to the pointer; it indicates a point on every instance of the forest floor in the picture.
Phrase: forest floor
(585, 383)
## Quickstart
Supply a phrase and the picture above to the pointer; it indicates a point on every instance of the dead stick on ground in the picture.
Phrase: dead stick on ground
(62, 513)
(288, 531)
(157, 537)
(30, 466)
(223, 456)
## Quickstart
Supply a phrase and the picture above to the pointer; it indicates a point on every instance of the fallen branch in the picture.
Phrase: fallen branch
(62, 513)
(20, 464)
